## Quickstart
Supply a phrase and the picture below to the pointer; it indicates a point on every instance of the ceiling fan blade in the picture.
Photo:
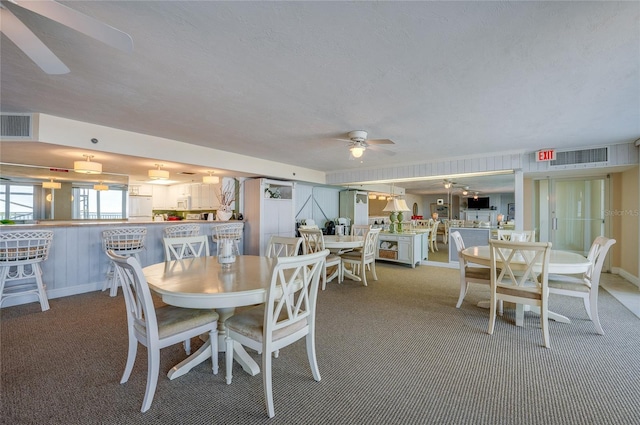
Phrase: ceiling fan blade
(380, 142)
(80, 22)
(381, 150)
(31, 45)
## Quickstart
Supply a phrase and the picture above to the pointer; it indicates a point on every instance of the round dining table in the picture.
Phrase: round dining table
(560, 262)
(340, 243)
(204, 283)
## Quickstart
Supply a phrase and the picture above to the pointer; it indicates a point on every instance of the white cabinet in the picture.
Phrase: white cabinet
(400, 248)
(159, 196)
(268, 210)
(480, 215)
(203, 196)
(354, 204)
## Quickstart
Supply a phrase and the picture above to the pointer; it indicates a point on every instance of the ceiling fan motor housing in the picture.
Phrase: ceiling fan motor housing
(358, 136)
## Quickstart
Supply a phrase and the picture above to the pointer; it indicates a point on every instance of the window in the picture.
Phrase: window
(16, 202)
(89, 204)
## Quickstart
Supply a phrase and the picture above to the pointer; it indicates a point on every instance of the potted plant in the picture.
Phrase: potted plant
(226, 198)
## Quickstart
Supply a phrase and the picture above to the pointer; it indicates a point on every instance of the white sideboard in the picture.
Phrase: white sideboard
(400, 248)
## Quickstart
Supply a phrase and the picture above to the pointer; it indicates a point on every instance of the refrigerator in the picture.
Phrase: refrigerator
(140, 208)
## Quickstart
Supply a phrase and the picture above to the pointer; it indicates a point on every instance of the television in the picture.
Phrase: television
(478, 204)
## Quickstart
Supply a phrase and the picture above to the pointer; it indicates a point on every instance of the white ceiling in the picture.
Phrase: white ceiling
(283, 80)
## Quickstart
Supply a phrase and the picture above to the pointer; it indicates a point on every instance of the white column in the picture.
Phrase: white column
(519, 198)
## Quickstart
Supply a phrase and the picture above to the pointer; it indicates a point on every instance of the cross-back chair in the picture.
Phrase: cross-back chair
(282, 246)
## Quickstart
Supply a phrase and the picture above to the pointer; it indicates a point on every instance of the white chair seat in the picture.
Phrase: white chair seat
(176, 320)
(251, 324)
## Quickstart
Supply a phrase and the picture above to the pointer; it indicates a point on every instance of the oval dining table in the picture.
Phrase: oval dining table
(204, 283)
(560, 262)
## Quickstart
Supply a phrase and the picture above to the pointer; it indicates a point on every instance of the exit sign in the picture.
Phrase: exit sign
(546, 155)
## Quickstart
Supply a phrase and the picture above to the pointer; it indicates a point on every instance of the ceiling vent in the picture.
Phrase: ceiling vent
(584, 156)
(16, 126)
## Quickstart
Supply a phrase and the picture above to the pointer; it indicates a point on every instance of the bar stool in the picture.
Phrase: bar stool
(20, 256)
(231, 231)
(182, 230)
(125, 241)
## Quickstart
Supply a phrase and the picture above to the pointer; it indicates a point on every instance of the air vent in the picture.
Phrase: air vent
(15, 126)
(585, 156)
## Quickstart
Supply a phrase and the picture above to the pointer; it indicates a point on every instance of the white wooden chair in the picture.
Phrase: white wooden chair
(157, 328)
(361, 259)
(519, 274)
(126, 241)
(20, 256)
(281, 246)
(469, 273)
(177, 248)
(180, 230)
(231, 231)
(288, 315)
(313, 241)
(517, 235)
(433, 236)
(587, 285)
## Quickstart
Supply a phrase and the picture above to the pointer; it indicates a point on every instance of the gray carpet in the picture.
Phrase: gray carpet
(396, 352)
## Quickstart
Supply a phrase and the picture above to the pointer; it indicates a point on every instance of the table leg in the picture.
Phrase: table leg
(347, 273)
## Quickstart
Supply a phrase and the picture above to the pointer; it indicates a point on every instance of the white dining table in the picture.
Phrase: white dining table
(560, 262)
(204, 283)
(338, 243)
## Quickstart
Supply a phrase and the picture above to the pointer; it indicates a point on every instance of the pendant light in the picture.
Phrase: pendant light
(87, 167)
(211, 179)
(158, 174)
(100, 186)
(51, 185)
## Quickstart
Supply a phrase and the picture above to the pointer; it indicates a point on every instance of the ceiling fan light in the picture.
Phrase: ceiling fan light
(357, 151)
(51, 185)
(87, 167)
(158, 174)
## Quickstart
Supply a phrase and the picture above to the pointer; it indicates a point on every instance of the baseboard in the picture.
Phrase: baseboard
(625, 274)
(52, 294)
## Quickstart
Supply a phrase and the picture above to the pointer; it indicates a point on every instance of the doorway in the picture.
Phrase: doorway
(574, 214)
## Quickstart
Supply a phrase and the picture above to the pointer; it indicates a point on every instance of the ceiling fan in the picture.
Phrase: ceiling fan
(358, 143)
(36, 50)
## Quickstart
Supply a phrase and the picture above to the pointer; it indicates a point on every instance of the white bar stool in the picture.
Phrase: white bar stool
(125, 241)
(20, 256)
(182, 230)
(231, 231)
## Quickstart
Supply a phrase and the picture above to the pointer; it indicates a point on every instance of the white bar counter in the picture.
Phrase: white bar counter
(77, 262)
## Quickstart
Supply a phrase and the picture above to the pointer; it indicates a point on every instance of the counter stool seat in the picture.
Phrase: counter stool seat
(232, 231)
(124, 241)
(20, 256)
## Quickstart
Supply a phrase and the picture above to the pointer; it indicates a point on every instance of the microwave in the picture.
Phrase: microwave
(184, 203)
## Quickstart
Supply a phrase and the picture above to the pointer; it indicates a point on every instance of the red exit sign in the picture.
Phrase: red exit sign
(546, 155)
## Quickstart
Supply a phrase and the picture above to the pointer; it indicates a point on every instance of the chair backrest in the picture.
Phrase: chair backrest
(181, 230)
(360, 229)
(141, 315)
(25, 247)
(292, 296)
(370, 245)
(434, 230)
(520, 264)
(228, 231)
(457, 239)
(516, 236)
(124, 239)
(185, 247)
(313, 240)
(281, 246)
(597, 254)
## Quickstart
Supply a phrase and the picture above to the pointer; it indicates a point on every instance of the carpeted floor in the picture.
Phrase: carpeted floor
(396, 352)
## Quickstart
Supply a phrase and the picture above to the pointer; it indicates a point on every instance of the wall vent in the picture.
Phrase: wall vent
(584, 156)
(16, 126)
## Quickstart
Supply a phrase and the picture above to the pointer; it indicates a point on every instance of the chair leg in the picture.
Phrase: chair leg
(266, 382)
(544, 324)
(229, 359)
(153, 369)
(463, 291)
(324, 277)
(373, 270)
(311, 354)
(42, 294)
(363, 275)
(593, 310)
(131, 358)
(213, 340)
(187, 346)
(492, 314)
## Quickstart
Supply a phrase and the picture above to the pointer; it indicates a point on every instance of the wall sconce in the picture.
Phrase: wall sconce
(87, 167)
(158, 174)
(211, 179)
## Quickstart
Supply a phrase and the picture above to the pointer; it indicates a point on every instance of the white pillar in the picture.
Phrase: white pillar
(519, 198)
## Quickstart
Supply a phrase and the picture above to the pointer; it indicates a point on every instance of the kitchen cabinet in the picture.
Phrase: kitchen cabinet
(203, 196)
(481, 215)
(403, 248)
(159, 194)
(354, 204)
(269, 210)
